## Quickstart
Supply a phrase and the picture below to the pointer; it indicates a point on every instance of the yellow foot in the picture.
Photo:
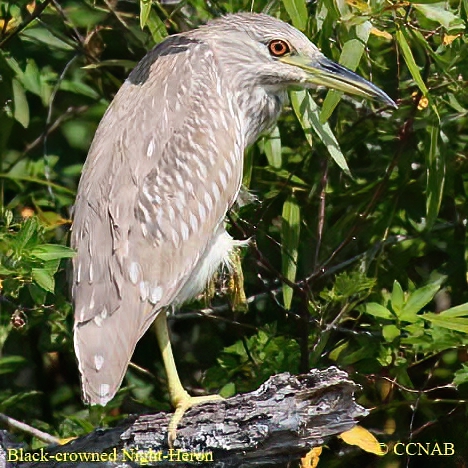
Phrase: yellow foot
(183, 403)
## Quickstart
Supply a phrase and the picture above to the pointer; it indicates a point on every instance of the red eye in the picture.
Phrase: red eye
(278, 48)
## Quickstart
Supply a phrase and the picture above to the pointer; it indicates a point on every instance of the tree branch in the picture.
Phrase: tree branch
(280, 422)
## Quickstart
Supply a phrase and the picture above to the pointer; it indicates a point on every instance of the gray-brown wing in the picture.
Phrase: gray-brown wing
(164, 167)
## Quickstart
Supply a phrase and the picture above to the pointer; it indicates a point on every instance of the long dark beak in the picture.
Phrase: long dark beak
(324, 72)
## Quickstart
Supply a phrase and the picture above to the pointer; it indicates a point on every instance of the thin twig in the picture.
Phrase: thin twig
(418, 390)
(142, 370)
(428, 424)
(68, 114)
(404, 135)
(62, 13)
(27, 429)
(47, 169)
(275, 289)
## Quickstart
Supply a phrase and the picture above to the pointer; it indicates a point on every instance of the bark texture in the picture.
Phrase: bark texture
(271, 426)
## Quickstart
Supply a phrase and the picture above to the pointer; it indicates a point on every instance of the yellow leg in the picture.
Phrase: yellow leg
(180, 399)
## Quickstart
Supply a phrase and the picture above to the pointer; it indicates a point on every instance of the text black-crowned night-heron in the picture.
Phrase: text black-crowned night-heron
(164, 168)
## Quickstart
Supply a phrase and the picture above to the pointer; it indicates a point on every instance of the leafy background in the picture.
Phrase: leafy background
(359, 258)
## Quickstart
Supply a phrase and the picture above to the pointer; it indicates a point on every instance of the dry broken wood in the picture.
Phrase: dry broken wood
(279, 422)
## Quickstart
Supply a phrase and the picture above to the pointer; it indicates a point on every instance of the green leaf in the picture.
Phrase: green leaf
(390, 332)
(272, 148)
(307, 113)
(14, 400)
(438, 12)
(228, 390)
(85, 424)
(52, 252)
(354, 357)
(452, 323)
(21, 107)
(330, 102)
(303, 108)
(378, 310)
(157, 27)
(465, 6)
(435, 163)
(410, 62)
(10, 364)
(297, 11)
(461, 376)
(290, 233)
(5, 271)
(38, 294)
(42, 36)
(350, 57)
(413, 67)
(458, 311)
(145, 10)
(418, 299)
(248, 167)
(348, 285)
(28, 230)
(78, 87)
(31, 78)
(286, 175)
(455, 318)
(44, 278)
(398, 297)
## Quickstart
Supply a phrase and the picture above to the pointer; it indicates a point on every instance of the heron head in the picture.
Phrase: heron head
(278, 56)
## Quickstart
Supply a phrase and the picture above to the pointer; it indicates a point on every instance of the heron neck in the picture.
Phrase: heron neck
(259, 103)
(260, 108)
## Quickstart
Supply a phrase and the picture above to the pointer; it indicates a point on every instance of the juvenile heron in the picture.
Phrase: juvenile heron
(164, 168)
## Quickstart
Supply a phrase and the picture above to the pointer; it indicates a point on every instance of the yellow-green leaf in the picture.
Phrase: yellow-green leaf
(457, 311)
(398, 297)
(48, 252)
(413, 67)
(228, 390)
(145, 10)
(44, 278)
(272, 148)
(303, 107)
(377, 310)
(157, 27)
(21, 107)
(438, 12)
(457, 323)
(418, 299)
(455, 318)
(350, 57)
(290, 233)
(297, 11)
(390, 332)
(410, 62)
(308, 115)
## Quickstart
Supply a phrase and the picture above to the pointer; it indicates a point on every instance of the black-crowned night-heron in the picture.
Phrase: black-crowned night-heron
(164, 168)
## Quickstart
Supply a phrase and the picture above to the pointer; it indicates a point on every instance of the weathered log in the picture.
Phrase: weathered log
(275, 424)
